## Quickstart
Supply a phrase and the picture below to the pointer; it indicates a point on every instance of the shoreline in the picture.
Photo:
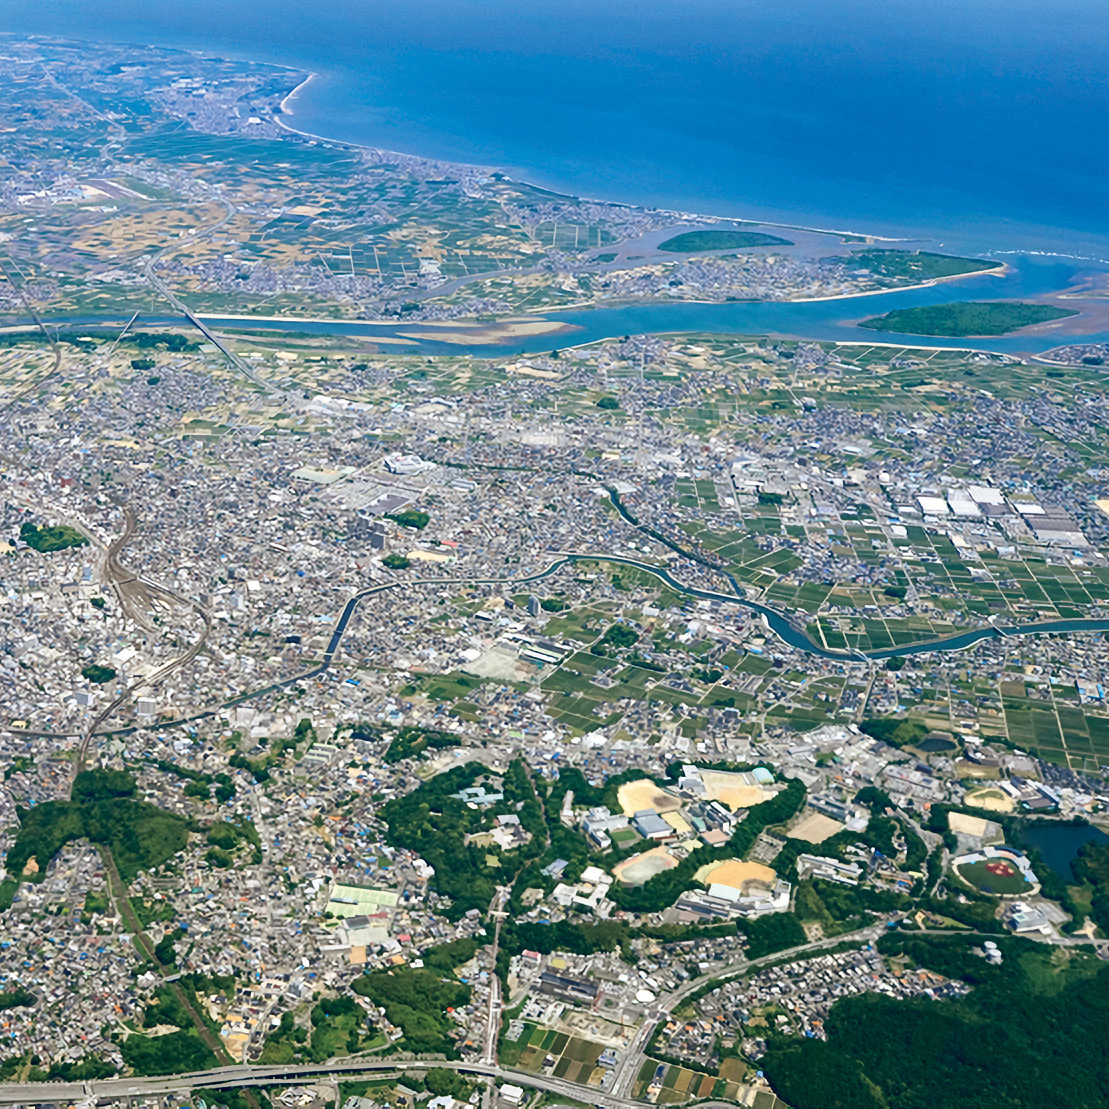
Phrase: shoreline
(1001, 270)
(566, 328)
(294, 92)
(681, 214)
(701, 217)
(307, 76)
(300, 78)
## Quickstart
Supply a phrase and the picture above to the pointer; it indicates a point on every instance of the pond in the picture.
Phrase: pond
(1059, 843)
(934, 744)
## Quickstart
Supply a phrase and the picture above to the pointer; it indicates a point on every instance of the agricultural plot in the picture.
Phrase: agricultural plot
(332, 222)
(678, 1085)
(545, 1050)
(959, 589)
(1059, 733)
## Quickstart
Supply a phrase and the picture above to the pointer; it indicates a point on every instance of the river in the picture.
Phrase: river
(823, 320)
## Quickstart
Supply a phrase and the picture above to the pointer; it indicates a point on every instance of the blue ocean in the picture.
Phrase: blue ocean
(979, 124)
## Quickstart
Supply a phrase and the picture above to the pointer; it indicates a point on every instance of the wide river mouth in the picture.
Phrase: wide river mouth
(818, 320)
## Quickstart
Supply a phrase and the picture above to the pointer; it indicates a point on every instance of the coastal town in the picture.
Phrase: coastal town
(402, 719)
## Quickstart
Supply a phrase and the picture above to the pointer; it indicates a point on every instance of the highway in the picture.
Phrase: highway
(148, 269)
(55, 348)
(238, 1075)
(243, 1075)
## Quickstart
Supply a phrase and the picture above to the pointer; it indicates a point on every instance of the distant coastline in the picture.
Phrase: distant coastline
(285, 110)
(283, 107)
(814, 141)
(762, 317)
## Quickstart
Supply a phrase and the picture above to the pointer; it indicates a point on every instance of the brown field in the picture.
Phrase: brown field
(969, 825)
(993, 800)
(731, 790)
(816, 828)
(736, 874)
(642, 868)
(644, 794)
(733, 1069)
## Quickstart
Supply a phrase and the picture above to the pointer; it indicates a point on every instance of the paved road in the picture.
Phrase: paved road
(242, 1075)
(493, 1018)
(55, 348)
(240, 364)
(629, 1066)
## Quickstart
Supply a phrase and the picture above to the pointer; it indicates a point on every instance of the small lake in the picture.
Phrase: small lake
(1059, 843)
(934, 744)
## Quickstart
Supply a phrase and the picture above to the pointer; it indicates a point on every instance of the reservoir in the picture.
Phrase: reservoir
(1059, 843)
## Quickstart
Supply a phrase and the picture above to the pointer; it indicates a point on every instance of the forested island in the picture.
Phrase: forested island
(719, 240)
(977, 318)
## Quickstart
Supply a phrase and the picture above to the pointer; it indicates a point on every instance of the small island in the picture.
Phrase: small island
(920, 264)
(692, 241)
(978, 318)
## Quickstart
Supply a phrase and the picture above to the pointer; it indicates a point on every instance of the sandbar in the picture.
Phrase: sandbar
(483, 334)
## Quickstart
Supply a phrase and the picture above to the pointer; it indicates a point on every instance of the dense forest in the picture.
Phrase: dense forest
(102, 809)
(1034, 1031)
(417, 1002)
(435, 824)
(966, 318)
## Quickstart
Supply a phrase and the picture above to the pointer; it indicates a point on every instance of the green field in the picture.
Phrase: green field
(980, 877)
(574, 1058)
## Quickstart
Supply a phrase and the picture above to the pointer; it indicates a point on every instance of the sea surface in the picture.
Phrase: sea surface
(977, 123)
